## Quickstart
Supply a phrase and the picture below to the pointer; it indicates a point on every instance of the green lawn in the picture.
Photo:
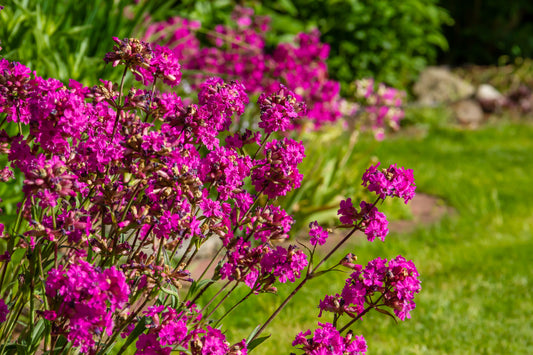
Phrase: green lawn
(475, 265)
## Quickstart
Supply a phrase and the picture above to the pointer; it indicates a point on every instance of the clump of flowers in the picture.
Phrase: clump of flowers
(380, 107)
(240, 52)
(124, 186)
(318, 234)
(393, 181)
(327, 340)
(369, 219)
(83, 301)
(379, 286)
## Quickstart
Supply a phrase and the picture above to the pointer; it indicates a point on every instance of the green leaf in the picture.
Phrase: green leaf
(15, 349)
(139, 329)
(256, 342)
(37, 334)
(288, 6)
(253, 333)
(196, 285)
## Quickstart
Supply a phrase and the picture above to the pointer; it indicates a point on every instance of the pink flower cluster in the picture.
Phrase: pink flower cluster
(100, 177)
(278, 173)
(83, 301)
(279, 110)
(377, 285)
(317, 233)
(261, 266)
(368, 219)
(137, 181)
(240, 53)
(382, 106)
(169, 328)
(394, 181)
(328, 340)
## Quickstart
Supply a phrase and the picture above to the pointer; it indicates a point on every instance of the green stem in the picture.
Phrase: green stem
(211, 263)
(214, 297)
(45, 299)
(161, 242)
(11, 325)
(222, 300)
(189, 247)
(365, 311)
(262, 145)
(4, 270)
(119, 104)
(18, 221)
(124, 325)
(281, 306)
(233, 307)
(150, 101)
(310, 274)
(336, 248)
(134, 242)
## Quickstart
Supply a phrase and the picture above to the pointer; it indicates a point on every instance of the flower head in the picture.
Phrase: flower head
(327, 340)
(394, 181)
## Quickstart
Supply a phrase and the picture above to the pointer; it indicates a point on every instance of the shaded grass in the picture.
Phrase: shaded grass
(475, 265)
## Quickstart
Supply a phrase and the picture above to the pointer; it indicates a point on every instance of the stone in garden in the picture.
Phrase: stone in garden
(439, 85)
(468, 112)
(489, 98)
(488, 92)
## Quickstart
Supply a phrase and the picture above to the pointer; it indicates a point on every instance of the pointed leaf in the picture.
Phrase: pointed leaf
(256, 342)
(138, 330)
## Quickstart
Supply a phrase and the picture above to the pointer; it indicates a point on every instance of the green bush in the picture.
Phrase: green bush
(390, 41)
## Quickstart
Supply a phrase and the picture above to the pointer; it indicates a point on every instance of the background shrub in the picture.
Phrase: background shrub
(67, 39)
(390, 41)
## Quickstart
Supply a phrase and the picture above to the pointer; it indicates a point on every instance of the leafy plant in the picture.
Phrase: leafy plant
(124, 184)
(65, 39)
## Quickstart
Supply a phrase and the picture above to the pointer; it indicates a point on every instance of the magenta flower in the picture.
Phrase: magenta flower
(327, 340)
(48, 179)
(347, 212)
(394, 181)
(278, 173)
(284, 264)
(374, 223)
(393, 285)
(279, 110)
(273, 224)
(84, 300)
(317, 233)
(300, 66)
(149, 345)
(368, 219)
(131, 52)
(164, 64)
(3, 311)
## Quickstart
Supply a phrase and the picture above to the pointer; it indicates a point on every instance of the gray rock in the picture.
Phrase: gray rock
(490, 99)
(468, 112)
(486, 92)
(437, 85)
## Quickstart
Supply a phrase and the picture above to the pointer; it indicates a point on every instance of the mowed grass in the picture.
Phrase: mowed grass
(475, 264)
